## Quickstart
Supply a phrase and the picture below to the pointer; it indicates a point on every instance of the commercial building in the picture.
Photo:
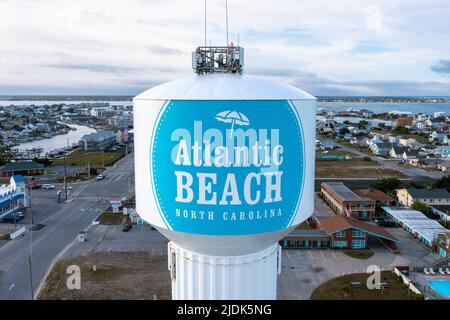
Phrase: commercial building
(430, 197)
(12, 196)
(25, 168)
(443, 211)
(441, 244)
(346, 202)
(338, 232)
(99, 141)
(416, 223)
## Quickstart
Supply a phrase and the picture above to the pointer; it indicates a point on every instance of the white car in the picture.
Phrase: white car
(100, 177)
(48, 186)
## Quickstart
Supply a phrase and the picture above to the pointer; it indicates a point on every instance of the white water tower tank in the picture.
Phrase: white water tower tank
(224, 169)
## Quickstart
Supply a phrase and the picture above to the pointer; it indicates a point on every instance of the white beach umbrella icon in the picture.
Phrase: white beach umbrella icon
(233, 117)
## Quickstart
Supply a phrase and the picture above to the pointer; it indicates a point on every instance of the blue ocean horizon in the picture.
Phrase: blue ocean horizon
(385, 107)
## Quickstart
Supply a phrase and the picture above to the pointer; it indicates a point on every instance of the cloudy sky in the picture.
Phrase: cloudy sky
(345, 47)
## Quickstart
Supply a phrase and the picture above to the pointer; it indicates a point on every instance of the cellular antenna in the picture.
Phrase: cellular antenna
(226, 16)
(205, 24)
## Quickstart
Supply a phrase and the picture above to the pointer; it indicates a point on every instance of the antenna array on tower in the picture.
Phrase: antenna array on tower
(228, 59)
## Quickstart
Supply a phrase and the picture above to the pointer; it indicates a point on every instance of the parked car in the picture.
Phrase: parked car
(386, 224)
(126, 227)
(48, 186)
(100, 177)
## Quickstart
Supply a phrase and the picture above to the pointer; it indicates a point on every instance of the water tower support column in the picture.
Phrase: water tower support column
(205, 277)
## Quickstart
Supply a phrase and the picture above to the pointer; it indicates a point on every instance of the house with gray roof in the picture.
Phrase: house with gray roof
(99, 141)
(438, 196)
(25, 168)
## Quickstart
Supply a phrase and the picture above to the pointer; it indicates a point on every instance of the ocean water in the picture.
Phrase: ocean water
(381, 107)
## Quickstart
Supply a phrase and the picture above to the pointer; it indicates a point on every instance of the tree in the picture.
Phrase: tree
(444, 182)
(401, 130)
(344, 130)
(44, 161)
(387, 185)
(420, 206)
(362, 124)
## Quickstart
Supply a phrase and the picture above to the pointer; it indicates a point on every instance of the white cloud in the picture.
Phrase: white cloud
(113, 43)
(373, 21)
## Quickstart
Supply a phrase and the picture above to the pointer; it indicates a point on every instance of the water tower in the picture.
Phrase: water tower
(224, 169)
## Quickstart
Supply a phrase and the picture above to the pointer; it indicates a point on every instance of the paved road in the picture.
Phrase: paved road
(393, 164)
(61, 228)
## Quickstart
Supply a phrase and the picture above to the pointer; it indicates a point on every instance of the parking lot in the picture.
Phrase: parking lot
(305, 270)
(102, 238)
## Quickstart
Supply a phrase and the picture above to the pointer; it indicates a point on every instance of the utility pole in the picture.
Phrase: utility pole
(29, 201)
(89, 170)
(65, 172)
(65, 177)
(31, 277)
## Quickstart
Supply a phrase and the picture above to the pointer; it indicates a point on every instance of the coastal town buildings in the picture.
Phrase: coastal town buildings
(407, 197)
(98, 141)
(441, 244)
(338, 232)
(416, 223)
(346, 202)
(13, 196)
(25, 168)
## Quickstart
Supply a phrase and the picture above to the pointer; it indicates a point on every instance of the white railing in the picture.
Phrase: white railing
(407, 281)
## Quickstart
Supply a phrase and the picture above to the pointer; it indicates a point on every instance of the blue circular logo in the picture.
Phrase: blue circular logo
(227, 167)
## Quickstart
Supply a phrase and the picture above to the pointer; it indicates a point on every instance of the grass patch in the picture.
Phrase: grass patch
(118, 276)
(95, 159)
(360, 254)
(111, 219)
(355, 168)
(5, 237)
(418, 138)
(340, 288)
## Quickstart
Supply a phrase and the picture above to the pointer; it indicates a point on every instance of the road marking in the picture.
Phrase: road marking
(323, 256)
(310, 254)
(298, 252)
(334, 255)
(12, 286)
(288, 255)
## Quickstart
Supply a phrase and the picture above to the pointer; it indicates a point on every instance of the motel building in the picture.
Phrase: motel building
(345, 202)
(12, 196)
(416, 223)
(441, 244)
(338, 232)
